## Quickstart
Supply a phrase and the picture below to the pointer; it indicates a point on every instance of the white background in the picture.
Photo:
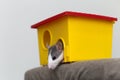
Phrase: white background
(18, 42)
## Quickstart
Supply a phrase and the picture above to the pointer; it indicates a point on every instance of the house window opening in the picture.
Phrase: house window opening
(46, 39)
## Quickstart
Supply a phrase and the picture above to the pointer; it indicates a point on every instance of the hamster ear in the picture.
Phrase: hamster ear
(47, 46)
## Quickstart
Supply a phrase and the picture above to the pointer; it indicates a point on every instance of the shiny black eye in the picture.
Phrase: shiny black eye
(54, 58)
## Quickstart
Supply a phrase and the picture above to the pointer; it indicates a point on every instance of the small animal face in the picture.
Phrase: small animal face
(59, 45)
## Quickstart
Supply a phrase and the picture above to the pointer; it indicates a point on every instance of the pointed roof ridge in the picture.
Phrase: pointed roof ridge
(70, 13)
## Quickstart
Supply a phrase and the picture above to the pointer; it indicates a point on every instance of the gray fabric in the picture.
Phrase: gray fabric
(107, 69)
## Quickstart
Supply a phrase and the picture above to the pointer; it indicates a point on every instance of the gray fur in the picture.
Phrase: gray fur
(54, 53)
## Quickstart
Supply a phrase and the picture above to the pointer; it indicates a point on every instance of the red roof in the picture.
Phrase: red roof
(78, 14)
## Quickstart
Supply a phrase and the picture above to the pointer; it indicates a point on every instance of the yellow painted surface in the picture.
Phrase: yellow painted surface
(89, 39)
(50, 33)
(84, 39)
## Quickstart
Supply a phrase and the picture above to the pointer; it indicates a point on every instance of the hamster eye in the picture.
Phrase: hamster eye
(54, 58)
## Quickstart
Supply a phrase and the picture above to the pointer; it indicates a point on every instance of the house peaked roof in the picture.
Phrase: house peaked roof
(70, 13)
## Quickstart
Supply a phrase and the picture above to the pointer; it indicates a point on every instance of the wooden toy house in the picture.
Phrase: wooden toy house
(85, 36)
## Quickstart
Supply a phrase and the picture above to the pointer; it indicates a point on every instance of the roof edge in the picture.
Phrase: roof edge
(70, 13)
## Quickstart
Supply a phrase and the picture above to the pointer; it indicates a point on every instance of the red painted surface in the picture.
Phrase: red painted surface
(78, 14)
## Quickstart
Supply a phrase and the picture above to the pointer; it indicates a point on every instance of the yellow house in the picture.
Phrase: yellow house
(85, 36)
